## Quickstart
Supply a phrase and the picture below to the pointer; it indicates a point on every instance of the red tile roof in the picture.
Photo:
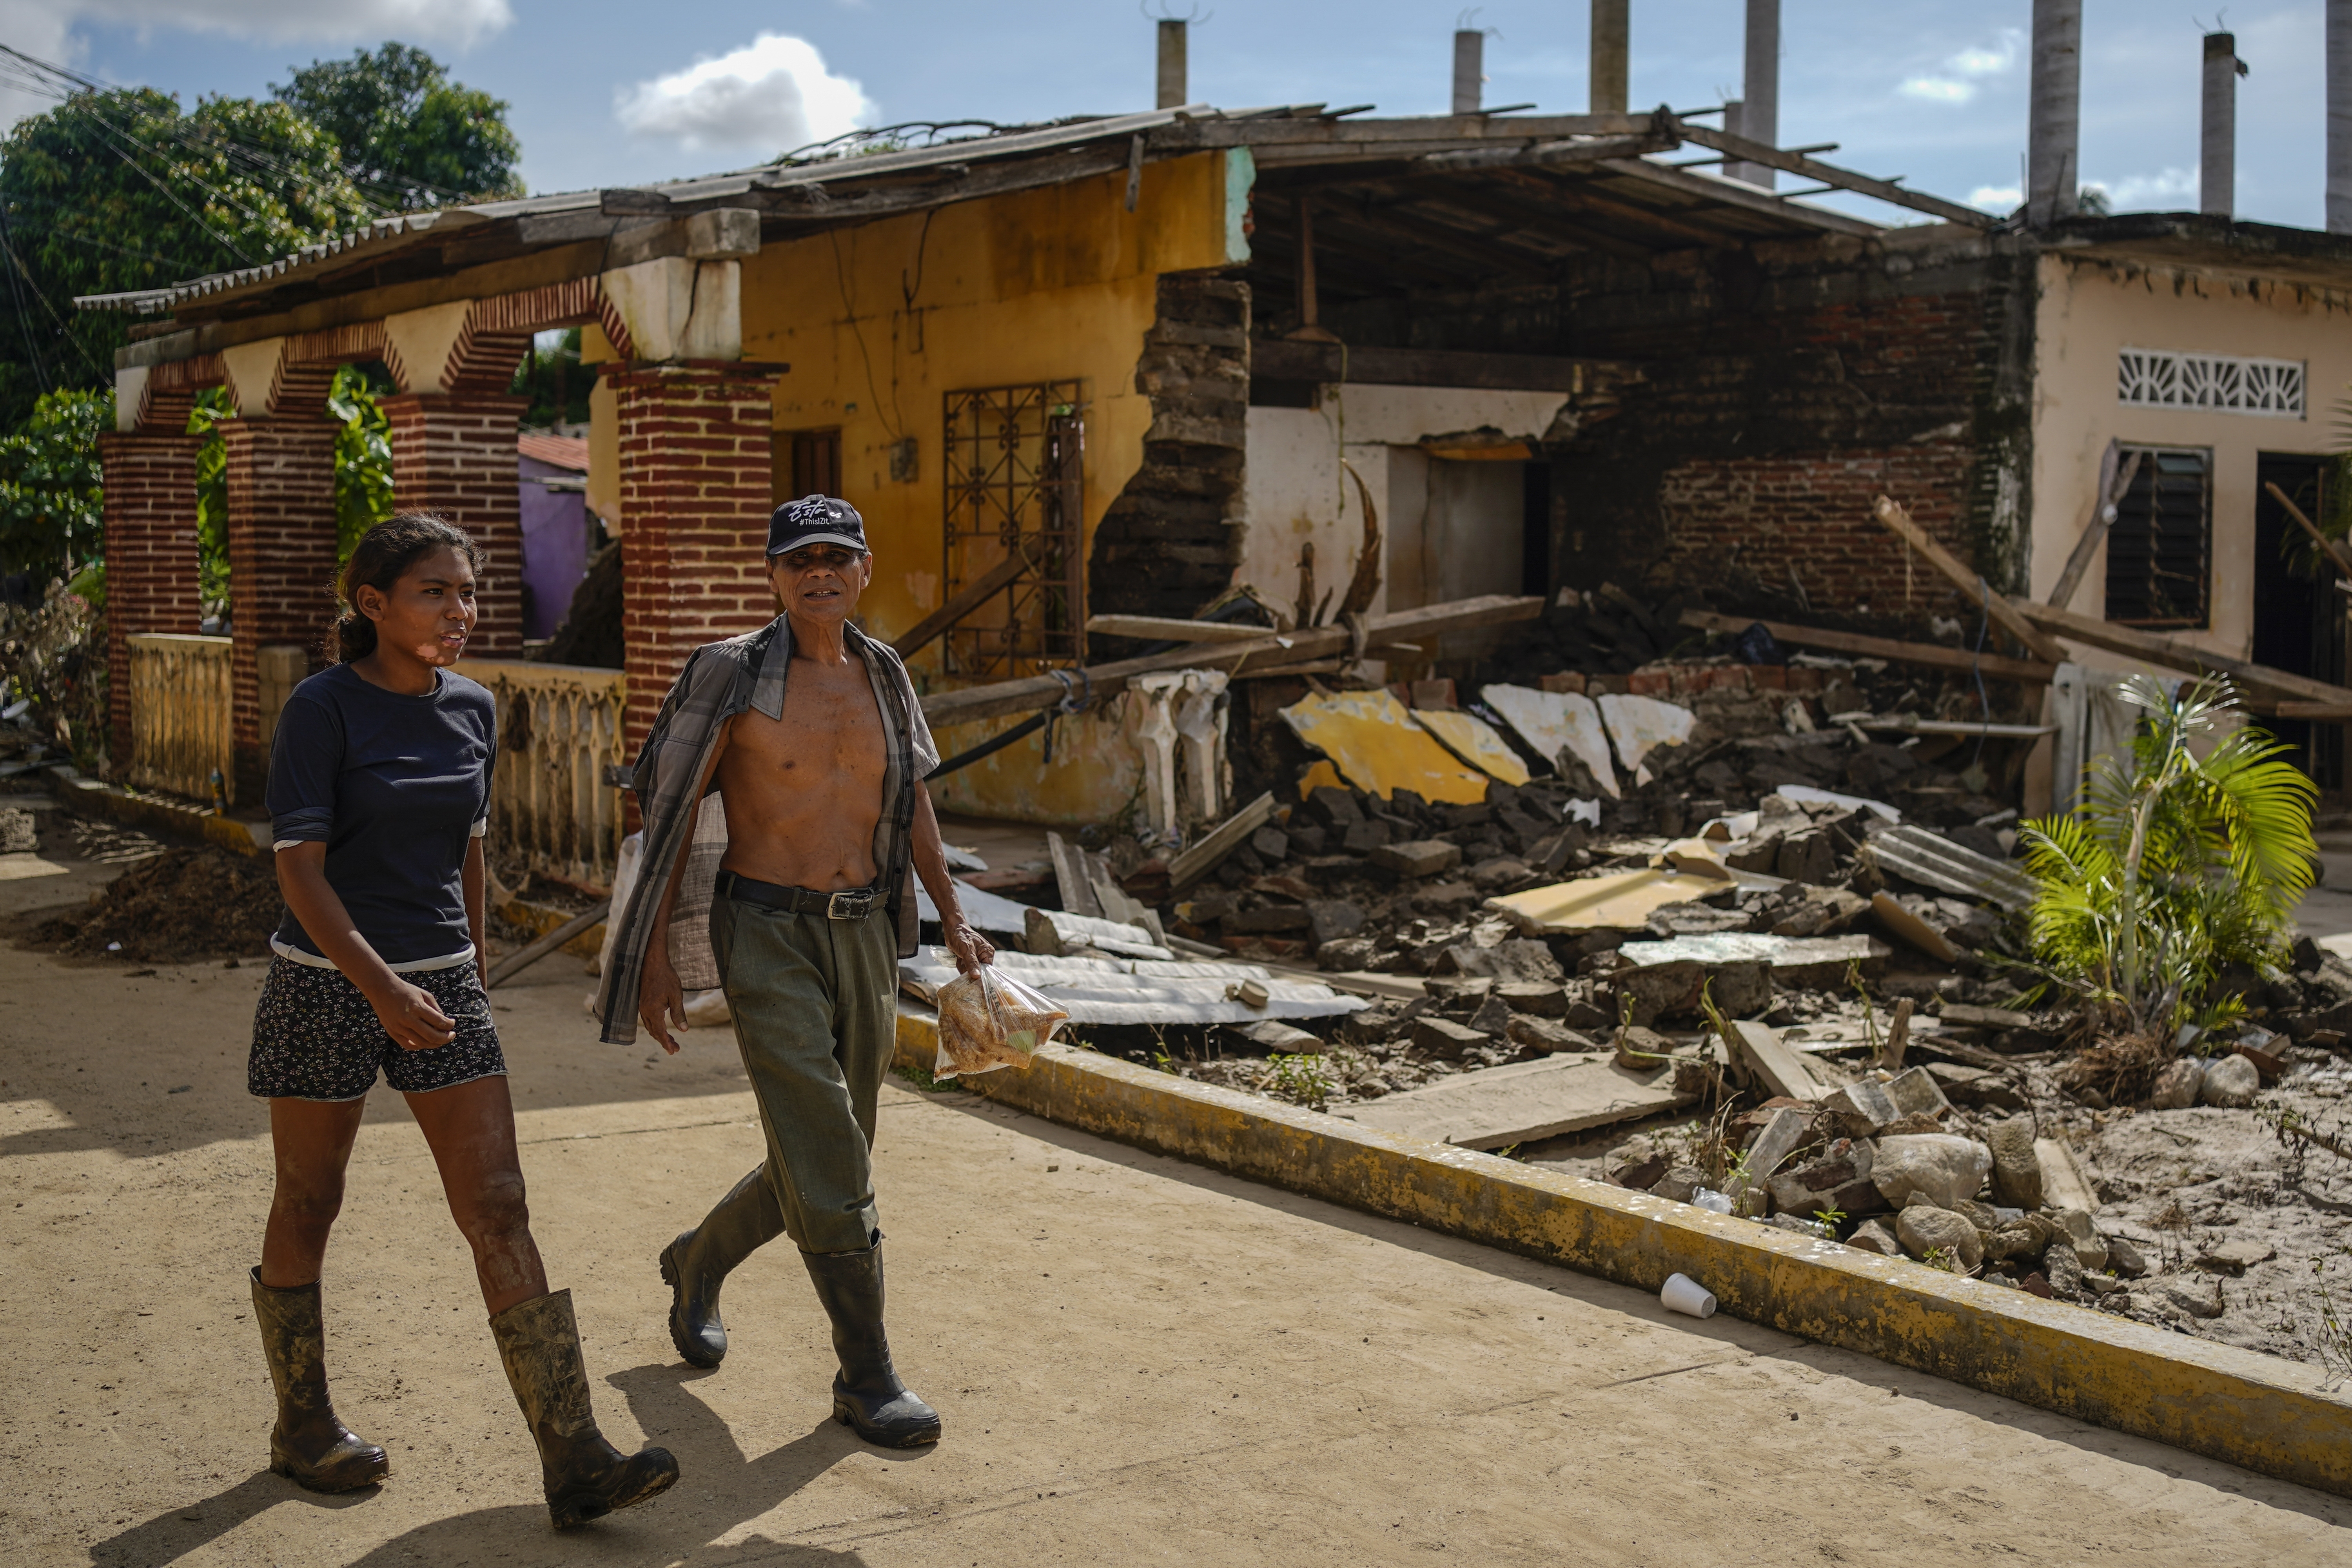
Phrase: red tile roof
(563, 451)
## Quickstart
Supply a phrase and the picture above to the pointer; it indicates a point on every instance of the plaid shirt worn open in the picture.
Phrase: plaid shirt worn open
(720, 680)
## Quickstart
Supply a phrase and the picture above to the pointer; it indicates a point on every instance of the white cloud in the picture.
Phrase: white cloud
(1963, 73)
(2166, 188)
(771, 95)
(2002, 199)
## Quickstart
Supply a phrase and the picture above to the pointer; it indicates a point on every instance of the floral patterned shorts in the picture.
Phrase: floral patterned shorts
(315, 1037)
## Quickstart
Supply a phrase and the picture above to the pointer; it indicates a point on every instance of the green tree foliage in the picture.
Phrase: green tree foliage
(51, 510)
(410, 135)
(212, 410)
(363, 453)
(363, 473)
(2175, 865)
(555, 381)
(117, 191)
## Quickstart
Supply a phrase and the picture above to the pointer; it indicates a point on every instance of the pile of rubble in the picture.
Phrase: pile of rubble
(1761, 964)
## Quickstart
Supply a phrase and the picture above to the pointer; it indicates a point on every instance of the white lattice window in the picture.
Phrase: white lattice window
(2227, 383)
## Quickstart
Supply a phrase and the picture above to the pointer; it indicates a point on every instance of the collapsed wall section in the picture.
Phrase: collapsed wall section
(1164, 546)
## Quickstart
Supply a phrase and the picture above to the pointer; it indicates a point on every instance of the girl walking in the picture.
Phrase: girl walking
(379, 794)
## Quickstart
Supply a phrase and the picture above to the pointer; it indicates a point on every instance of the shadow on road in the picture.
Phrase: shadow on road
(719, 1488)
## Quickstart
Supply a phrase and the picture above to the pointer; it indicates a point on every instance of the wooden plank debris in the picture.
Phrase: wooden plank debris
(989, 584)
(1972, 583)
(2339, 555)
(1168, 628)
(1417, 628)
(2024, 672)
(1749, 151)
(1070, 877)
(1785, 1073)
(1221, 840)
(2095, 529)
(1523, 1101)
(2177, 653)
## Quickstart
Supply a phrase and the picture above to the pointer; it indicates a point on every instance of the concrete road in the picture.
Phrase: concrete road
(1138, 1361)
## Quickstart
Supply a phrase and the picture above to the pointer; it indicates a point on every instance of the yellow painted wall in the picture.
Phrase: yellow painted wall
(879, 322)
(2086, 315)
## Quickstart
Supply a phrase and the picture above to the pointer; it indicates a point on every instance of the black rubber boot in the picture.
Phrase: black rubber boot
(698, 1261)
(308, 1445)
(585, 1476)
(867, 1396)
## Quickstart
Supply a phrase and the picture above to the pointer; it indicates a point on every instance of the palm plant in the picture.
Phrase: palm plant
(2177, 864)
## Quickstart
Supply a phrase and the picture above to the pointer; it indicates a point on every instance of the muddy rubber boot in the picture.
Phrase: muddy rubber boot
(867, 1396)
(698, 1261)
(585, 1476)
(308, 1445)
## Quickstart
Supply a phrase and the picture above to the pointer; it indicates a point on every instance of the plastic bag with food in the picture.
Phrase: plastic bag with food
(989, 1020)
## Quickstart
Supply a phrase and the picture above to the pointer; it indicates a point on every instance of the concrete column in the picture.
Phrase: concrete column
(150, 556)
(453, 454)
(281, 557)
(1611, 48)
(2053, 171)
(1170, 89)
(1469, 69)
(696, 490)
(2339, 116)
(2217, 179)
(1759, 103)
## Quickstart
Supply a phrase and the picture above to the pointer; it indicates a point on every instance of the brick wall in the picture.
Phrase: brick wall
(694, 497)
(455, 457)
(150, 556)
(1164, 547)
(1785, 385)
(282, 552)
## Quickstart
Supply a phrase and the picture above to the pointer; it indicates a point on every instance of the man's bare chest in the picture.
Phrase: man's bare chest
(830, 728)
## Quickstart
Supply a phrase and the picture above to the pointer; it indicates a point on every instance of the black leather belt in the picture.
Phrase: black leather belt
(849, 904)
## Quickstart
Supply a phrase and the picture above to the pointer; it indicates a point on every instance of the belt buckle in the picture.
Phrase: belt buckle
(833, 908)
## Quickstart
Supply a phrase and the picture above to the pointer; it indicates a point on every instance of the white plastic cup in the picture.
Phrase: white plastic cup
(1711, 1201)
(1685, 1295)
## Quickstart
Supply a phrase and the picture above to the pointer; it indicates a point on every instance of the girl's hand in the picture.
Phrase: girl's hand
(411, 1017)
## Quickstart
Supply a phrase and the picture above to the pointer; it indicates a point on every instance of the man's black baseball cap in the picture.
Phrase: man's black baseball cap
(814, 520)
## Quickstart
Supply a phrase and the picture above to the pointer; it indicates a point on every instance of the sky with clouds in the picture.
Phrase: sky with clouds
(607, 93)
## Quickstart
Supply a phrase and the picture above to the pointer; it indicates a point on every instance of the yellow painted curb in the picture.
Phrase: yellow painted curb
(541, 919)
(2265, 1414)
(92, 797)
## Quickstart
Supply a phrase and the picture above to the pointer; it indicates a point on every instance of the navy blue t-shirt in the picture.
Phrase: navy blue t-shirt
(394, 786)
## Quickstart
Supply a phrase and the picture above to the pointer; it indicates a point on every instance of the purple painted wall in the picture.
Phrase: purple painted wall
(555, 537)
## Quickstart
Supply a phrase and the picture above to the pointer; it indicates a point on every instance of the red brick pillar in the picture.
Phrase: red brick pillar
(281, 558)
(150, 556)
(453, 456)
(695, 483)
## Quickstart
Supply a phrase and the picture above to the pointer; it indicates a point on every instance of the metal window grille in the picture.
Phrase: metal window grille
(2160, 378)
(1012, 469)
(2160, 546)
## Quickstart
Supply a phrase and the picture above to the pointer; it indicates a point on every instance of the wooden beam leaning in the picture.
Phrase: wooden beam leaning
(994, 581)
(1773, 157)
(2259, 678)
(1993, 667)
(2094, 530)
(2337, 555)
(1168, 628)
(1898, 522)
(1400, 628)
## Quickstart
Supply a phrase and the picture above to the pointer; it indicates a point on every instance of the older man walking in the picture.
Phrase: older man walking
(785, 818)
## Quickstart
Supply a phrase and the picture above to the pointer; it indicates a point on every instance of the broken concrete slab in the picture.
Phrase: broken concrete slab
(1640, 725)
(2016, 1169)
(1943, 1166)
(1523, 1101)
(1915, 1092)
(1804, 963)
(1372, 739)
(1473, 741)
(1447, 1040)
(1418, 856)
(1559, 726)
(1861, 1109)
(1617, 900)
